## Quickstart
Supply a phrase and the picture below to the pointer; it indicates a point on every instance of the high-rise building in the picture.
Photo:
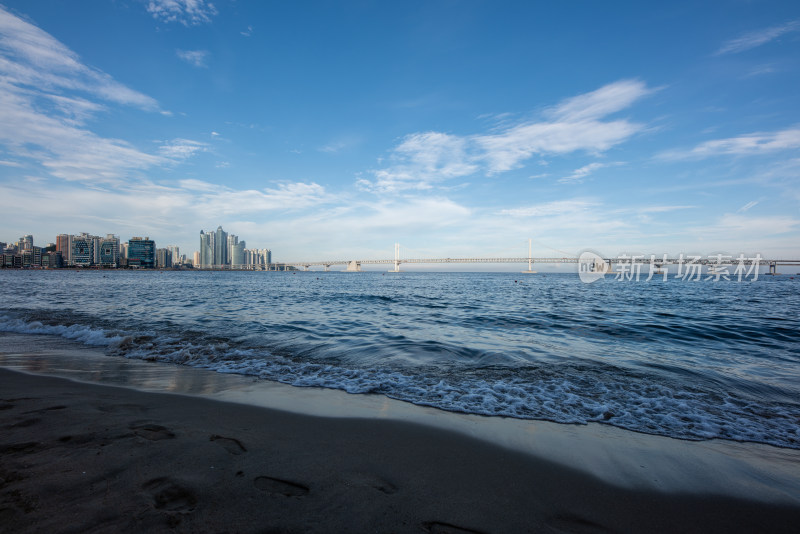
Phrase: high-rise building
(82, 250)
(26, 243)
(237, 253)
(175, 252)
(220, 247)
(141, 252)
(109, 251)
(232, 241)
(163, 258)
(261, 257)
(206, 253)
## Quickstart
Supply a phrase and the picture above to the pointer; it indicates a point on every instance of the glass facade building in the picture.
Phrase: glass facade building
(141, 253)
(82, 251)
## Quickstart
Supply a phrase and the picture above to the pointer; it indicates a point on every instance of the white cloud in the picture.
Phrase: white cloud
(422, 159)
(662, 209)
(48, 97)
(65, 149)
(747, 206)
(757, 38)
(743, 145)
(186, 12)
(576, 124)
(193, 57)
(742, 227)
(180, 149)
(600, 103)
(31, 58)
(217, 200)
(248, 32)
(342, 143)
(578, 175)
(551, 209)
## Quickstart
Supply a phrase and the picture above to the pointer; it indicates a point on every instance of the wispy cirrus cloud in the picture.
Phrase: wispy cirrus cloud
(747, 206)
(186, 12)
(180, 149)
(48, 97)
(663, 209)
(554, 208)
(576, 124)
(31, 58)
(578, 175)
(214, 199)
(421, 160)
(738, 227)
(757, 38)
(63, 148)
(744, 145)
(193, 57)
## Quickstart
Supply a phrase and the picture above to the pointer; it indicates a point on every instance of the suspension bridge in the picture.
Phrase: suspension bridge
(713, 261)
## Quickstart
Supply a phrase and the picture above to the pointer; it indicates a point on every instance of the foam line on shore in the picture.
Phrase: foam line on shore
(135, 461)
(624, 458)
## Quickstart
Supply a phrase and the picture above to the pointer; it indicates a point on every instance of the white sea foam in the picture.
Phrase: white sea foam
(76, 332)
(564, 395)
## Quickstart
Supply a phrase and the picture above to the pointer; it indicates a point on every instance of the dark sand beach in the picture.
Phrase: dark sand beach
(77, 457)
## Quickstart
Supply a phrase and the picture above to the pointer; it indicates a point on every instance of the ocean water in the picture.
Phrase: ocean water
(690, 360)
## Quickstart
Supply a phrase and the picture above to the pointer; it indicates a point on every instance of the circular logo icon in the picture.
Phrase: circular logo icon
(592, 267)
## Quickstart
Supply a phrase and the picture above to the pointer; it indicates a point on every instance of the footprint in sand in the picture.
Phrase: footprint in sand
(170, 496)
(25, 423)
(372, 481)
(151, 431)
(438, 527)
(232, 445)
(45, 410)
(571, 523)
(24, 448)
(280, 487)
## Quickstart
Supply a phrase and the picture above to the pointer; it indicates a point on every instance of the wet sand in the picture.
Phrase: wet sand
(77, 457)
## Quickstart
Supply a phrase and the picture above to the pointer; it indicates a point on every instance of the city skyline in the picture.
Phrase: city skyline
(88, 250)
(452, 128)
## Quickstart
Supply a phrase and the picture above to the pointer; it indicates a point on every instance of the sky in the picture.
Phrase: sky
(333, 130)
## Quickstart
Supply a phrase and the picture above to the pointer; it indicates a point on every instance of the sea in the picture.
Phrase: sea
(694, 360)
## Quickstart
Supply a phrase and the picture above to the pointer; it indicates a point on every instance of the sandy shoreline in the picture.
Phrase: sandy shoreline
(80, 457)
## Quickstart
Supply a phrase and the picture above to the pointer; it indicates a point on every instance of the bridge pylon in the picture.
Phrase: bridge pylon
(396, 259)
(530, 260)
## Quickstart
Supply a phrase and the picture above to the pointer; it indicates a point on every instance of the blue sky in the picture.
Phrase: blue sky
(332, 130)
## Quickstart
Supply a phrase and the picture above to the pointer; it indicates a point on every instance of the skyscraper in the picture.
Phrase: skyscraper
(83, 250)
(64, 246)
(206, 252)
(237, 254)
(109, 251)
(163, 258)
(141, 252)
(232, 241)
(221, 247)
(175, 253)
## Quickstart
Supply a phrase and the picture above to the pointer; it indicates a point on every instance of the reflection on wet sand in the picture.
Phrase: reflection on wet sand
(621, 457)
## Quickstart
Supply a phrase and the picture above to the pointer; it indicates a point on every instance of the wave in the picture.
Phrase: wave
(576, 392)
